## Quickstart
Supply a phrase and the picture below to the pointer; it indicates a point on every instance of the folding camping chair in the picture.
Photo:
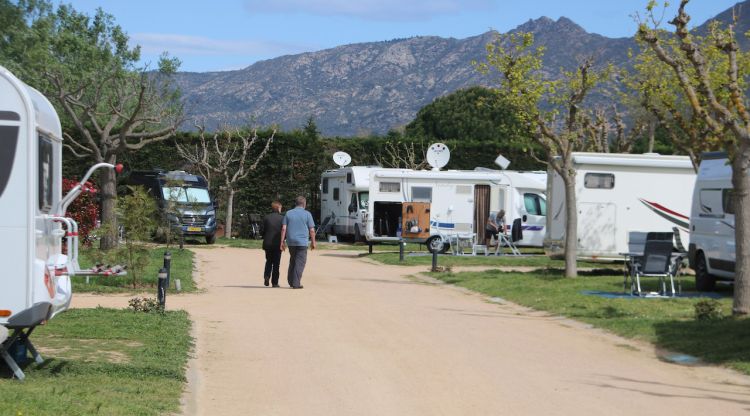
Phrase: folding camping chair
(503, 240)
(656, 261)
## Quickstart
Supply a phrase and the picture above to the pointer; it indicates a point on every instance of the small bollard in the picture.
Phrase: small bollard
(369, 248)
(182, 240)
(168, 265)
(161, 288)
(178, 285)
(401, 245)
(434, 260)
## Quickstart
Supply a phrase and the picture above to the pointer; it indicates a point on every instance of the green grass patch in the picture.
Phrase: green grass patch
(240, 243)
(182, 268)
(103, 362)
(666, 322)
(539, 261)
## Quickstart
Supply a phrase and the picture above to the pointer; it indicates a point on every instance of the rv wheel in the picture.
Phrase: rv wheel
(704, 282)
(436, 244)
(210, 239)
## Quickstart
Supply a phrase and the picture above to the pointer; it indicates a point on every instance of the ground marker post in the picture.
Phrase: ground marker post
(434, 260)
(168, 265)
(161, 288)
(369, 248)
(401, 245)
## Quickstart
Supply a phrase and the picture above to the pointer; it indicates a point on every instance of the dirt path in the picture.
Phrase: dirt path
(361, 339)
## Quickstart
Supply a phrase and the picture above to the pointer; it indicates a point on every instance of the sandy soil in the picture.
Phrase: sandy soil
(365, 339)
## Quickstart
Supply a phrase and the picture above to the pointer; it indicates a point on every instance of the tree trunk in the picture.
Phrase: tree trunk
(651, 136)
(108, 185)
(571, 223)
(741, 183)
(230, 208)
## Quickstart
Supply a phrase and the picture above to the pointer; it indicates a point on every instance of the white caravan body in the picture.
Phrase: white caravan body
(617, 194)
(343, 200)
(454, 202)
(35, 284)
(712, 239)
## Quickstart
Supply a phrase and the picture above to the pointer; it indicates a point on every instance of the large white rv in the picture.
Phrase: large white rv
(36, 275)
(617, 194)
(430, 206)
(712, 241)
(343, 200)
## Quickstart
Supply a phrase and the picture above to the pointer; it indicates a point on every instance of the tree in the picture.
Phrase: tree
(402, 154)
(110, 105)
(711, 79)
(229, 155)
(560, 131)
(311, 128)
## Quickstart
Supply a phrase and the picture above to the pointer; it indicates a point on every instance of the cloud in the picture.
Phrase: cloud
(178, 45)
(370, 9)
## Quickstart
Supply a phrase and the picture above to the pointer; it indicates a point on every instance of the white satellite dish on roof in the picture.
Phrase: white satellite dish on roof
(438, 155)
(342, 159)
(502, 162)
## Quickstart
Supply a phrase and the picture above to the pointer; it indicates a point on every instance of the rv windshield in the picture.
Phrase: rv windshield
(186, 195)
(364, 198)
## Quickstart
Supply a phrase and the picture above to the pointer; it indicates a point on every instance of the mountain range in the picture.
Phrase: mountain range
(370, 88)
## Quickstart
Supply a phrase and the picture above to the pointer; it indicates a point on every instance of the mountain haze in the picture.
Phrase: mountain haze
(372, 87)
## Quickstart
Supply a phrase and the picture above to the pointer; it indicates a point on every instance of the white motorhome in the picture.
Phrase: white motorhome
(36, 279)
(343, 200)
(711, 251)
(617, 194)
(430, 206)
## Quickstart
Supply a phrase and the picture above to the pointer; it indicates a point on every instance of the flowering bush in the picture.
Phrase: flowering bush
(84, 210)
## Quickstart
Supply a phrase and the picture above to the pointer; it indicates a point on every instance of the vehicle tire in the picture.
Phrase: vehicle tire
(357, 234)
(436, 244)
(211, 238)
(704, 282)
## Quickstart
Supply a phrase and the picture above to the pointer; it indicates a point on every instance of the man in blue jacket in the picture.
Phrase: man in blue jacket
(298, 229)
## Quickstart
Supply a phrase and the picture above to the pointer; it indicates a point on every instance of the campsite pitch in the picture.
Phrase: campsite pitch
(364, 338)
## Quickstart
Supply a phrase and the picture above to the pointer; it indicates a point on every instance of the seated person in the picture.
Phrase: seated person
(495, 225)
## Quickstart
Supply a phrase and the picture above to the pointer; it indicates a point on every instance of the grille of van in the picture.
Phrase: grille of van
(198, 220)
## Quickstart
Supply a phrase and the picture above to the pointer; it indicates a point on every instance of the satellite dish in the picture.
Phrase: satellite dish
(438, 155)
(342, 159)
(502, 162)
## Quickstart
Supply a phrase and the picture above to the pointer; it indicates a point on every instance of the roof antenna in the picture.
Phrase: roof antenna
(502, 162)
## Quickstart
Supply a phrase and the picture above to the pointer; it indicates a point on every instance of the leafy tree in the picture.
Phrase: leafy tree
(562, 129)
(710, 77)
(138, 213)
(110, 105)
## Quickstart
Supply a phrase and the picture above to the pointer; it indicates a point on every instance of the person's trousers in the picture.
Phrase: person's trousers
(273, 258)
(297, 260)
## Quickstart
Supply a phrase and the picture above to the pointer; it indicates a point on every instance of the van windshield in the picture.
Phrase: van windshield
(186, 195)
(364, 197)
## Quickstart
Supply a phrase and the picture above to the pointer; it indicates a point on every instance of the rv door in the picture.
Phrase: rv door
(596, 228)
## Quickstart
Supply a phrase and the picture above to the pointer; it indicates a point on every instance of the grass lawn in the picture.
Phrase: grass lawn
(667, 323)
(103, 361)
(480, 260)
(182, 268)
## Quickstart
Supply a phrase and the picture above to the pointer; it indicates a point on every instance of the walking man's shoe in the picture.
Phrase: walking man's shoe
(297, 287)
(265, 281)
(276, 286)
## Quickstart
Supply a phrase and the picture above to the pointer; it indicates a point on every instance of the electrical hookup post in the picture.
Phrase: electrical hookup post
(161, 288)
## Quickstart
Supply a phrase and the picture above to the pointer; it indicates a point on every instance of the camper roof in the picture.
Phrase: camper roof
(633, 160)
(46, 116)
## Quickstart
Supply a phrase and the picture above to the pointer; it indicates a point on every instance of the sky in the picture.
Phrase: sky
(223, 35)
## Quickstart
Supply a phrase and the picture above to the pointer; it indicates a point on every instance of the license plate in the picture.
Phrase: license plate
(194, 229)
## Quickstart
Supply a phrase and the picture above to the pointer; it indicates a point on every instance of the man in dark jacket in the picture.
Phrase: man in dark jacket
(272, 243)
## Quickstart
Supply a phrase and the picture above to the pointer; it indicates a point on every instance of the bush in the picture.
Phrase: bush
(708, 310)
(146, 305)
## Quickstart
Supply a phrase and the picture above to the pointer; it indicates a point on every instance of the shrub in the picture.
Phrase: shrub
(146, 305)
(84, 210)
(708, 310)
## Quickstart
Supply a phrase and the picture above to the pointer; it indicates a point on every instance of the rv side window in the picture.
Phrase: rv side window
(727, 200)
(534, 204)
(599, 180)
(711, 201)
(335, 194)
(349, 177)
(390, 187)
(421, 194)
(46, 170)
(325, 186)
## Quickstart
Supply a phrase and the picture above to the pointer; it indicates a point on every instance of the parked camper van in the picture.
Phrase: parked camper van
(616, 194)
(429, 206)
(712, 242)
(36, 275)
(344, 195)
(183, 198)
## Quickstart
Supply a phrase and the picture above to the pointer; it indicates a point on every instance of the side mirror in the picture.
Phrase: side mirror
(352, 208)
(524, 218)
